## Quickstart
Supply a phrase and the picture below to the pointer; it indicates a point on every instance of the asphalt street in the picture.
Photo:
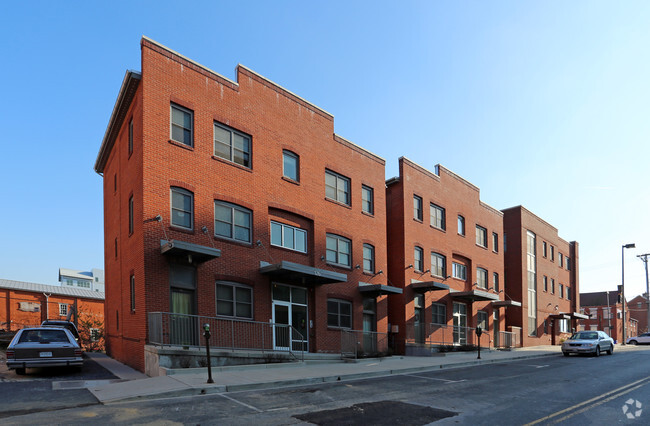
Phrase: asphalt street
(549, 390)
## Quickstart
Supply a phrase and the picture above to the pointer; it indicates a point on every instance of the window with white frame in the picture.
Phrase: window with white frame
(481, 277)
(417, 208)
(561, 290)
(545, 280)
(290, 165)
(232, 221)
(564, 325)
(418, 255)
(495, 242)
(459, 271)
(182, 125)
(289, 237)
(461, 225)
(481, 236)
(339, 313)
(367, 199)
(234, 300)
(337, 187)
(338, 250)
(95, 334)
(368, 258)
(544, 249)
(438, 313)
(63, 309)
(560, 259)
(482, 320)
(182, 208)
(495, 281)
(438, 265)
(437, 216)
(232, 145)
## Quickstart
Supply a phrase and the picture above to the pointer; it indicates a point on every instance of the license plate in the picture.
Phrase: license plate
(45, 354)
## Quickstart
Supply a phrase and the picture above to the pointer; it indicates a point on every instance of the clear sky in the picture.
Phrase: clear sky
(544, 104)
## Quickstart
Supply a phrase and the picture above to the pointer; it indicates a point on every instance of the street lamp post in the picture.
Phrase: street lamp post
(625, 246)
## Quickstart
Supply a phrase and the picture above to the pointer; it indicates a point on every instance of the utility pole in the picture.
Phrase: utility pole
(644, 258)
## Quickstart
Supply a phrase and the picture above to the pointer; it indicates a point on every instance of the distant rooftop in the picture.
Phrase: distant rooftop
(50, 289)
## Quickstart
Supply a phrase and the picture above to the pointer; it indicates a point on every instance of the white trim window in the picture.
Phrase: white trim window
(337, 187)
(417, 208)
(232, 221)
(339, 313)
(459, 271)
(495, 281)
(438, 265)
(63, 309)
(290, 165)
(495, 242)
(182, 208)
(437, 216)
(234, 300)
(481, 236)
(418, 259)
(482, 320)
(367, 199)
(289, 237)
(368, 258)
(338, 250)
(182, 128)
(481, 277)
(461, 225)
(232, 145)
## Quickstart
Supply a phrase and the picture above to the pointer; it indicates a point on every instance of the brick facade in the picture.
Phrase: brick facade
(638, 309)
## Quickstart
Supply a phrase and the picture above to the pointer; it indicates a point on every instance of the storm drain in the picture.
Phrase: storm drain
(380, 413)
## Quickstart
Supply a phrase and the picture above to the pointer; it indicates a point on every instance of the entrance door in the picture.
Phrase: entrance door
(460, 323)
(369, 326)
(418, 318)
(495, 317)
(183, 322)
(290, 318)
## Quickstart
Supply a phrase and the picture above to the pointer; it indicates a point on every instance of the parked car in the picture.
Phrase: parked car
(43, 347)
(588, 342)
(639, 340)
(63, 324)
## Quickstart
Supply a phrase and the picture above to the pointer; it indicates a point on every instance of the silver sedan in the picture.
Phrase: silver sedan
(43, 347)
(588, 342)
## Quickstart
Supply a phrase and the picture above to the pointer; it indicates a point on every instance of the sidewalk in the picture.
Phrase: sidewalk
(188, 382)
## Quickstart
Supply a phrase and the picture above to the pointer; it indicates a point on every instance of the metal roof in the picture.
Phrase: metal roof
(51, 289)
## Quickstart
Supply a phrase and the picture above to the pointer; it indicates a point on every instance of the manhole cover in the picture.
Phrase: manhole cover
(387, 413)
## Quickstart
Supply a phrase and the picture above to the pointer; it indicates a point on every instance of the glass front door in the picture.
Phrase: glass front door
(290, 318)
(460, 323)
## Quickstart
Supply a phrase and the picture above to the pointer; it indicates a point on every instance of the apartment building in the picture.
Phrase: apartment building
(638, 309)
(235, 200)
(541, 271)
(445, 253)
(604, 312)
(93, 279)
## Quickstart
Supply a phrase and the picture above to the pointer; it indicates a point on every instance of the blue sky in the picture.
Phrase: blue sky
(543, 104)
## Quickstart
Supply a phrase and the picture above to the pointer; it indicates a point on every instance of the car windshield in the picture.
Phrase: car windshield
(44, 336)
(585, 336)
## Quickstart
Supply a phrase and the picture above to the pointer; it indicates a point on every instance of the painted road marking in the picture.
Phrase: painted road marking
(241, 403)
(434, 378)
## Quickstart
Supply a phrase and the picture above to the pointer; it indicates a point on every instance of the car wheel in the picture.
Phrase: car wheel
(20, 371)
(565, 353)
(597, 353)
(611, 350)
(633, 342)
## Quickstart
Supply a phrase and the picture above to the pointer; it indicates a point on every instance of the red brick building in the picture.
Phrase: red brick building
(236, 200)
(24, 304)
(542, 272)
(605, 313)
(444, 248)
(638, 309)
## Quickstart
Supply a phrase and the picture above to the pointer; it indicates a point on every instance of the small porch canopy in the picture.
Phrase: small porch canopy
(473, 295)
(295, 273)
(505, 304)
(424, 286)
(561, 315)
(194, 253)
(575, 315)
(376, 290)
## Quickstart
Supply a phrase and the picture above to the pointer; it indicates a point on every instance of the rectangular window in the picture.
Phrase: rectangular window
(337, 187)
(568, 263)
(560, 259)
(131, 215)
(367, 199)
(339, 313)
(544, 249)
(234, 300)
(564, 326)
(131, 136)
(182, 125)
(495, 242)
(552, 254)
(438, 313)
(552, 286)
(561, 290)
(461, 225)
(459, 271)
(568, 293)
(63, 309)
(132, 288)
(417, 208)
(232, 145)
(545, 279)
(531, 256)
(418, 257)
(232, 221)
(437, 216)
(289, 237)
(182, 208)
(338, 250)
(368, 258)
(481, 277)
(495, 281)
(482, 320)
(438, 265)
(94, 334)
(481, 236)
(290, 165)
